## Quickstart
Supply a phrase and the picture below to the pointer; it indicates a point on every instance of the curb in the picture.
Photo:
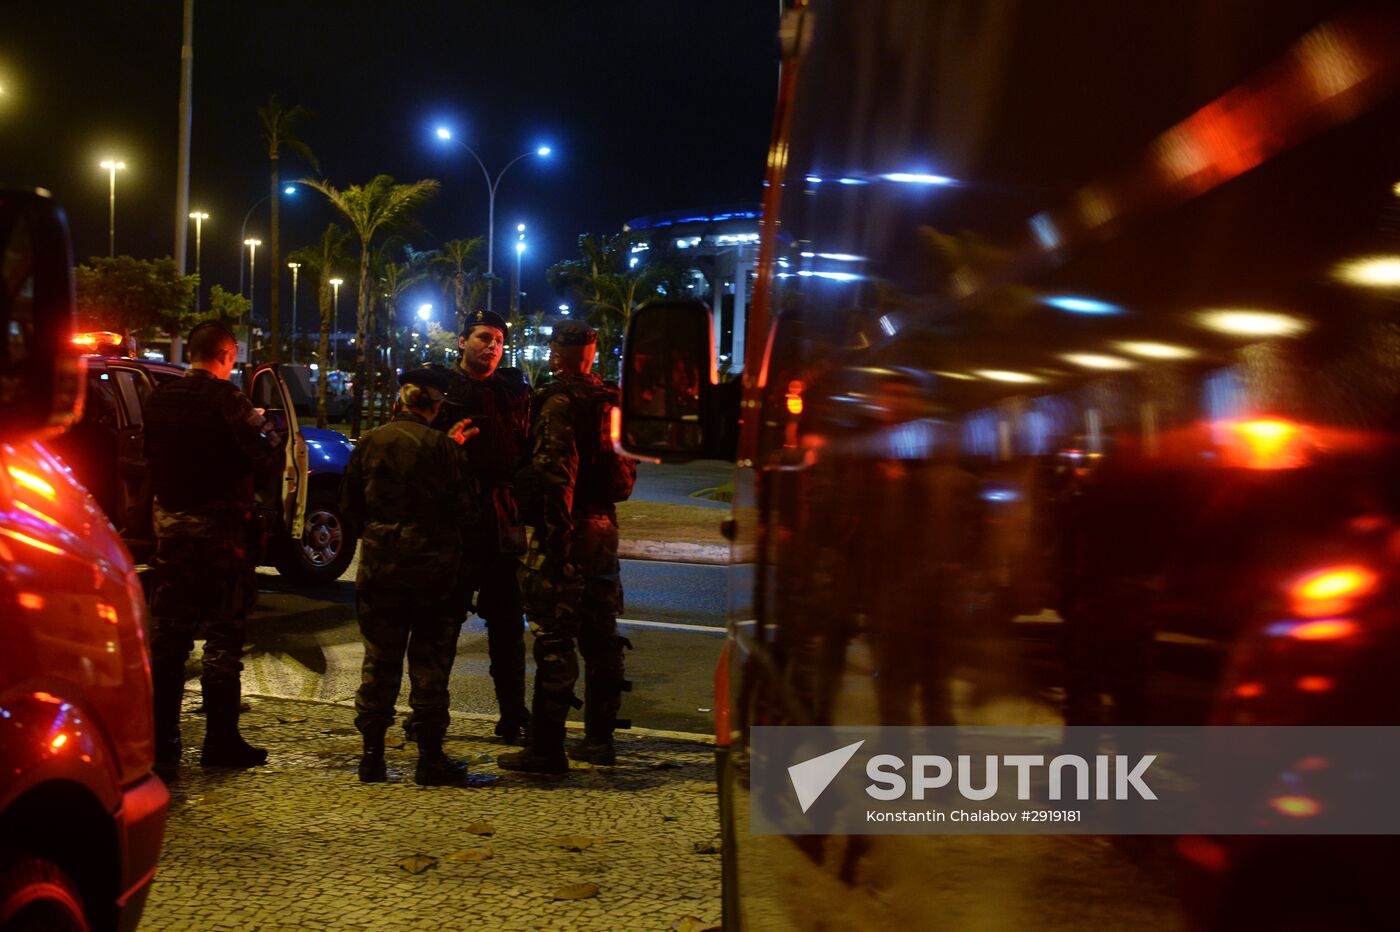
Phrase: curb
(675, 551)
(686, 736)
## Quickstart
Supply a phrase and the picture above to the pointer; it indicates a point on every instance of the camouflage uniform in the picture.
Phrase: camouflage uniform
(406, 490)
(208, 451)
(571, 579)
(499, 406)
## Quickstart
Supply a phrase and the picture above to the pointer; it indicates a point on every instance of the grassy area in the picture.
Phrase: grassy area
(667, 522)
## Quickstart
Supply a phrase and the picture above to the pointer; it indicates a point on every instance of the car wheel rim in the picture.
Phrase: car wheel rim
(321, 542)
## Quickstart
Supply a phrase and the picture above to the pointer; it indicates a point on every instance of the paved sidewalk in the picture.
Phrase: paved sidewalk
(301, 844)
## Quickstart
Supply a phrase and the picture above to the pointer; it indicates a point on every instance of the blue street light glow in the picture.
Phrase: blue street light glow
(425, 311)
(813, 179)
(289, 189)
(916, 178)
(543, 150)
(830, 276)
(444, 133)
(853, 181)
(519, 247)
(1082, 305)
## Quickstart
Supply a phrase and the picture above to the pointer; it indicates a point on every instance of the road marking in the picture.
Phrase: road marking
(670, 626)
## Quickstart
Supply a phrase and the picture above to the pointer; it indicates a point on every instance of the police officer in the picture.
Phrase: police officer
(571, 578)
(209, 450)
(406, 492)
(499, 406)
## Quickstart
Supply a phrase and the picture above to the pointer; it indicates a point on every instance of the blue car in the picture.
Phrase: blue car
(310, 543)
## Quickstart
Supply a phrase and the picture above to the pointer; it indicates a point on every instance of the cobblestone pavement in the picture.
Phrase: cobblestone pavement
(301, 844)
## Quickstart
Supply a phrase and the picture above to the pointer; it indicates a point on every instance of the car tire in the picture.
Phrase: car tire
(36, 895)
(326, 547)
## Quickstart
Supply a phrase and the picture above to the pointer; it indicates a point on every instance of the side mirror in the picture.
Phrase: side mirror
(674, 409)
(41, 384)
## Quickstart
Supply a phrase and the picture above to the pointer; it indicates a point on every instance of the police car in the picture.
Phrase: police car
(310, 543)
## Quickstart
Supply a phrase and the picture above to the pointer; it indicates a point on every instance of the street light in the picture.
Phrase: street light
(564, 309)
(335, 329)
(252, 245)
(243, 231)
(113, 166)
(198, 217)
(491, 186)
(516, 281)
(425, 311)
(294, 266)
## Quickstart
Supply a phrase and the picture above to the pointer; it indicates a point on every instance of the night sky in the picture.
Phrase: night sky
(649, 105)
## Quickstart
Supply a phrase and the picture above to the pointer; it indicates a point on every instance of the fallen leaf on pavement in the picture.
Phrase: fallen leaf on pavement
(574, 842)
(418, 863)
(692, 924)
(577, 891)
(481, 828)
(472, 854)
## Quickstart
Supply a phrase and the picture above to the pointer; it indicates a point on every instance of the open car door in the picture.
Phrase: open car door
(269, 392)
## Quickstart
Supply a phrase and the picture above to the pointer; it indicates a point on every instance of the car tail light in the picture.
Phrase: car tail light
(1265, 444)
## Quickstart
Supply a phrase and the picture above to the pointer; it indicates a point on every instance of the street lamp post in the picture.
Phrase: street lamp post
(112, 166)
(294, 266)
(243, 230)
(491, 186)
(252, 245)
(198, 217)
(335, 325)
(519, 252)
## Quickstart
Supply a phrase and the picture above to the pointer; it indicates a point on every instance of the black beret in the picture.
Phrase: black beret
(573, 333)
(484, 319)
(428, 378)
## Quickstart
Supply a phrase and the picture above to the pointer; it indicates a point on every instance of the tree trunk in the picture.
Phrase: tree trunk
(361, 325)
(274, 253)
(323, 349)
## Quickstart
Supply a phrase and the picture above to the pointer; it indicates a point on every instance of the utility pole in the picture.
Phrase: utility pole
(182, 171)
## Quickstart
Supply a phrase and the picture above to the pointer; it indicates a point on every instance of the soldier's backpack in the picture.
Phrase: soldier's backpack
(603, 475)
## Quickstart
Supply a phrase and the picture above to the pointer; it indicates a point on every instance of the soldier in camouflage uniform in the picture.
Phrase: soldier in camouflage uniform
(209, 450)
(571, 579)
(499, 405)
(407, 494)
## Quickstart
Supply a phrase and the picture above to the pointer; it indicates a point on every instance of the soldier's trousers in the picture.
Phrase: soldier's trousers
(204, 586)
(582, 612)
(498, 604)
(395, 624)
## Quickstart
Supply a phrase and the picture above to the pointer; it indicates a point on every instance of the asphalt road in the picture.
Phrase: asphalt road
(675, 483)
(304, 644)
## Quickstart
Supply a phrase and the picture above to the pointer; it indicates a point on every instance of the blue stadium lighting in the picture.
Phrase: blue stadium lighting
(916, 178)
(1082, 305)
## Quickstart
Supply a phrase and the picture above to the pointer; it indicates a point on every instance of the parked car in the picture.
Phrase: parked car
(81, 813)
(309, 542)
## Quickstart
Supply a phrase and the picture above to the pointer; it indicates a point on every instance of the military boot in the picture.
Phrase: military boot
(600, 753)
(223, 744)
(435, 768)
(167, 697)
(372, 768)
(545, 752)
(514, 729)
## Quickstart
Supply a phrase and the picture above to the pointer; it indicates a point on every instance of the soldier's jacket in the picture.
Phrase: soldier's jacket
(500, 407)
(209, 450)
(555, 464)
(408, 492)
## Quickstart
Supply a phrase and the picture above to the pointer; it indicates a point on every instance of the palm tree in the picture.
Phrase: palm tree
(279, 131)
(457, 264)
(394, 281)
(371, 209)
(325, 260)
(609, 288)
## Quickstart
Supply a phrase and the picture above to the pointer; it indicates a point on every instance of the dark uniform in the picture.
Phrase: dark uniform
(406, 491)
(570, 578)
(208, 451)
(499, 406)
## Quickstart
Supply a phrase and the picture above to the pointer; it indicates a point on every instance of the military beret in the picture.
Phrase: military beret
(483, 319)
(573, 333)
(428, 378)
